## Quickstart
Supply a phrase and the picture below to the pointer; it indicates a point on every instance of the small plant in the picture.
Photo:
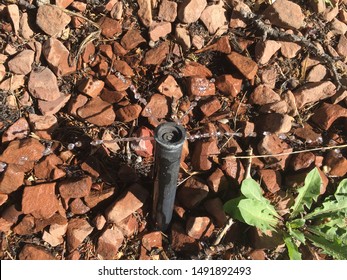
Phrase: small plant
(324, 225)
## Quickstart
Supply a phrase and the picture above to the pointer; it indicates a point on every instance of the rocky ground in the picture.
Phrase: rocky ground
(84, 83)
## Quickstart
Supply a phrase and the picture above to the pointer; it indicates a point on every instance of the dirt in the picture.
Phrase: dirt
(83, 84)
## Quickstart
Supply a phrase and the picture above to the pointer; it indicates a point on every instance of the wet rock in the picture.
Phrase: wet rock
(11, 179)
(34, 252)
(193, 68)
(202, 152)
(199, 227)
(181, 242)
(23, 153)
(159, 30)
(98, 112)
(143, 148)
(128, 113)
(210, 107)
(265, 50)
(317, 73)
(51, 19)
(77, 230)
(214, 18)
(43, 126)
(336, 163)
(167, 11)
(270, 179)
(57, 56)
(289, 49)
(75, 188)
(48, 169)
(40, 201)
(313, 92)
(110, 27)
(169, 87)
(157, 107)
(200, 86)
(245, 65)
(214, 207)
(145, 12)
(43, 85)
(302, 161)
(229, 84)
(91, 87)
(22, 62)
(327, 114)
(97, 197)
(156, 55)
(182, 37)
(109, 242)
(190, 10)
(286, 14)
(233, 168)
(192, 193)
(274, 123)
(263, 95)
(132, 39)
(127, 203)
(18, 130)
(152, 240)
(52, 107)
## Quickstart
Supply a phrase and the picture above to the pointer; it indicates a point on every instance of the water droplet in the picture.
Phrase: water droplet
(137, 95)
(282, 136)
(320, 139)
(70, 146)
(96, 142)
(237, 134)
(308, 141)
(47, 151)
(218, 133)
(266, 133)
(212, 80)
(252, 134)
(138, 159)
(132, 88)
(78, 144)
(22, 160)
(148, 110)
(3, 165)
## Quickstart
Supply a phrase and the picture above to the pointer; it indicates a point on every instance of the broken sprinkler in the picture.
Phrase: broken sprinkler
(169, 138)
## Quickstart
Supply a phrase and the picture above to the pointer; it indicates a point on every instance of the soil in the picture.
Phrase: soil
(83, 85)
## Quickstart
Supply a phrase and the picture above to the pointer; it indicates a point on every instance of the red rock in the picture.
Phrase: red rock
(285, 14)
(302, 161)
(99, 221)
(338, 27)
(182, 37)
(245, 65)
(123, 67)
(109, 243)
(214, 18)
(167, 11)
(192, 68)
(307, 134)
(340, 48)
(145, 12)
(192, 193)
(280, 107)
(221, 45)
(118, 84)
(51, 19)
(96, 197)
(229, 85)
(106, 50)
(132, 39)
(200, 86)
(233, 168)
(23, 153)
(43, 126)
(118, 49)
(217, 181)
(156, 55)
(63, 3)
(189, 11)
(157, 107)
(289, 49)
(263, 95)
(49, 168)
(152, 240)
(257, 255)
(13, 83)
(13, 13)
(199, 227)
(129, 226)
(117, 10)
(57, 56)
(317, 73)
(3, 198)
(214, 207)
(336, 163)
(327, 114)
(339, 96)
(79, 6)
(343, 16)
(274, 123)
(77, 103)
(128, 113)
(75, 188)
(52, 107)
(11, 179)
(43, 85)
(313, 92)
(268, 77)
(181, 242)
(78, 207)
(127, 203)
(18, 130)
(2, 72)
(22, 62)
(202, 152)
(265, 50)
(159, 30)
(88, 53)
(110, 27)
(98, 112)
(169, 87)
(52, 240)
(270, 179)
(40, 201)
(210, 107)
(143, 148)
(77, 230)
(91, 87)
(112, 96)
(34, 252)
(26, 226)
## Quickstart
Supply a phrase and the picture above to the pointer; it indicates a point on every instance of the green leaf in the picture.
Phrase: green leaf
(297, 223)
(231, 208)
(337, 251)
(341, 191)
(293, 231)
(308, 193)
(293, 250)
(328, 209)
